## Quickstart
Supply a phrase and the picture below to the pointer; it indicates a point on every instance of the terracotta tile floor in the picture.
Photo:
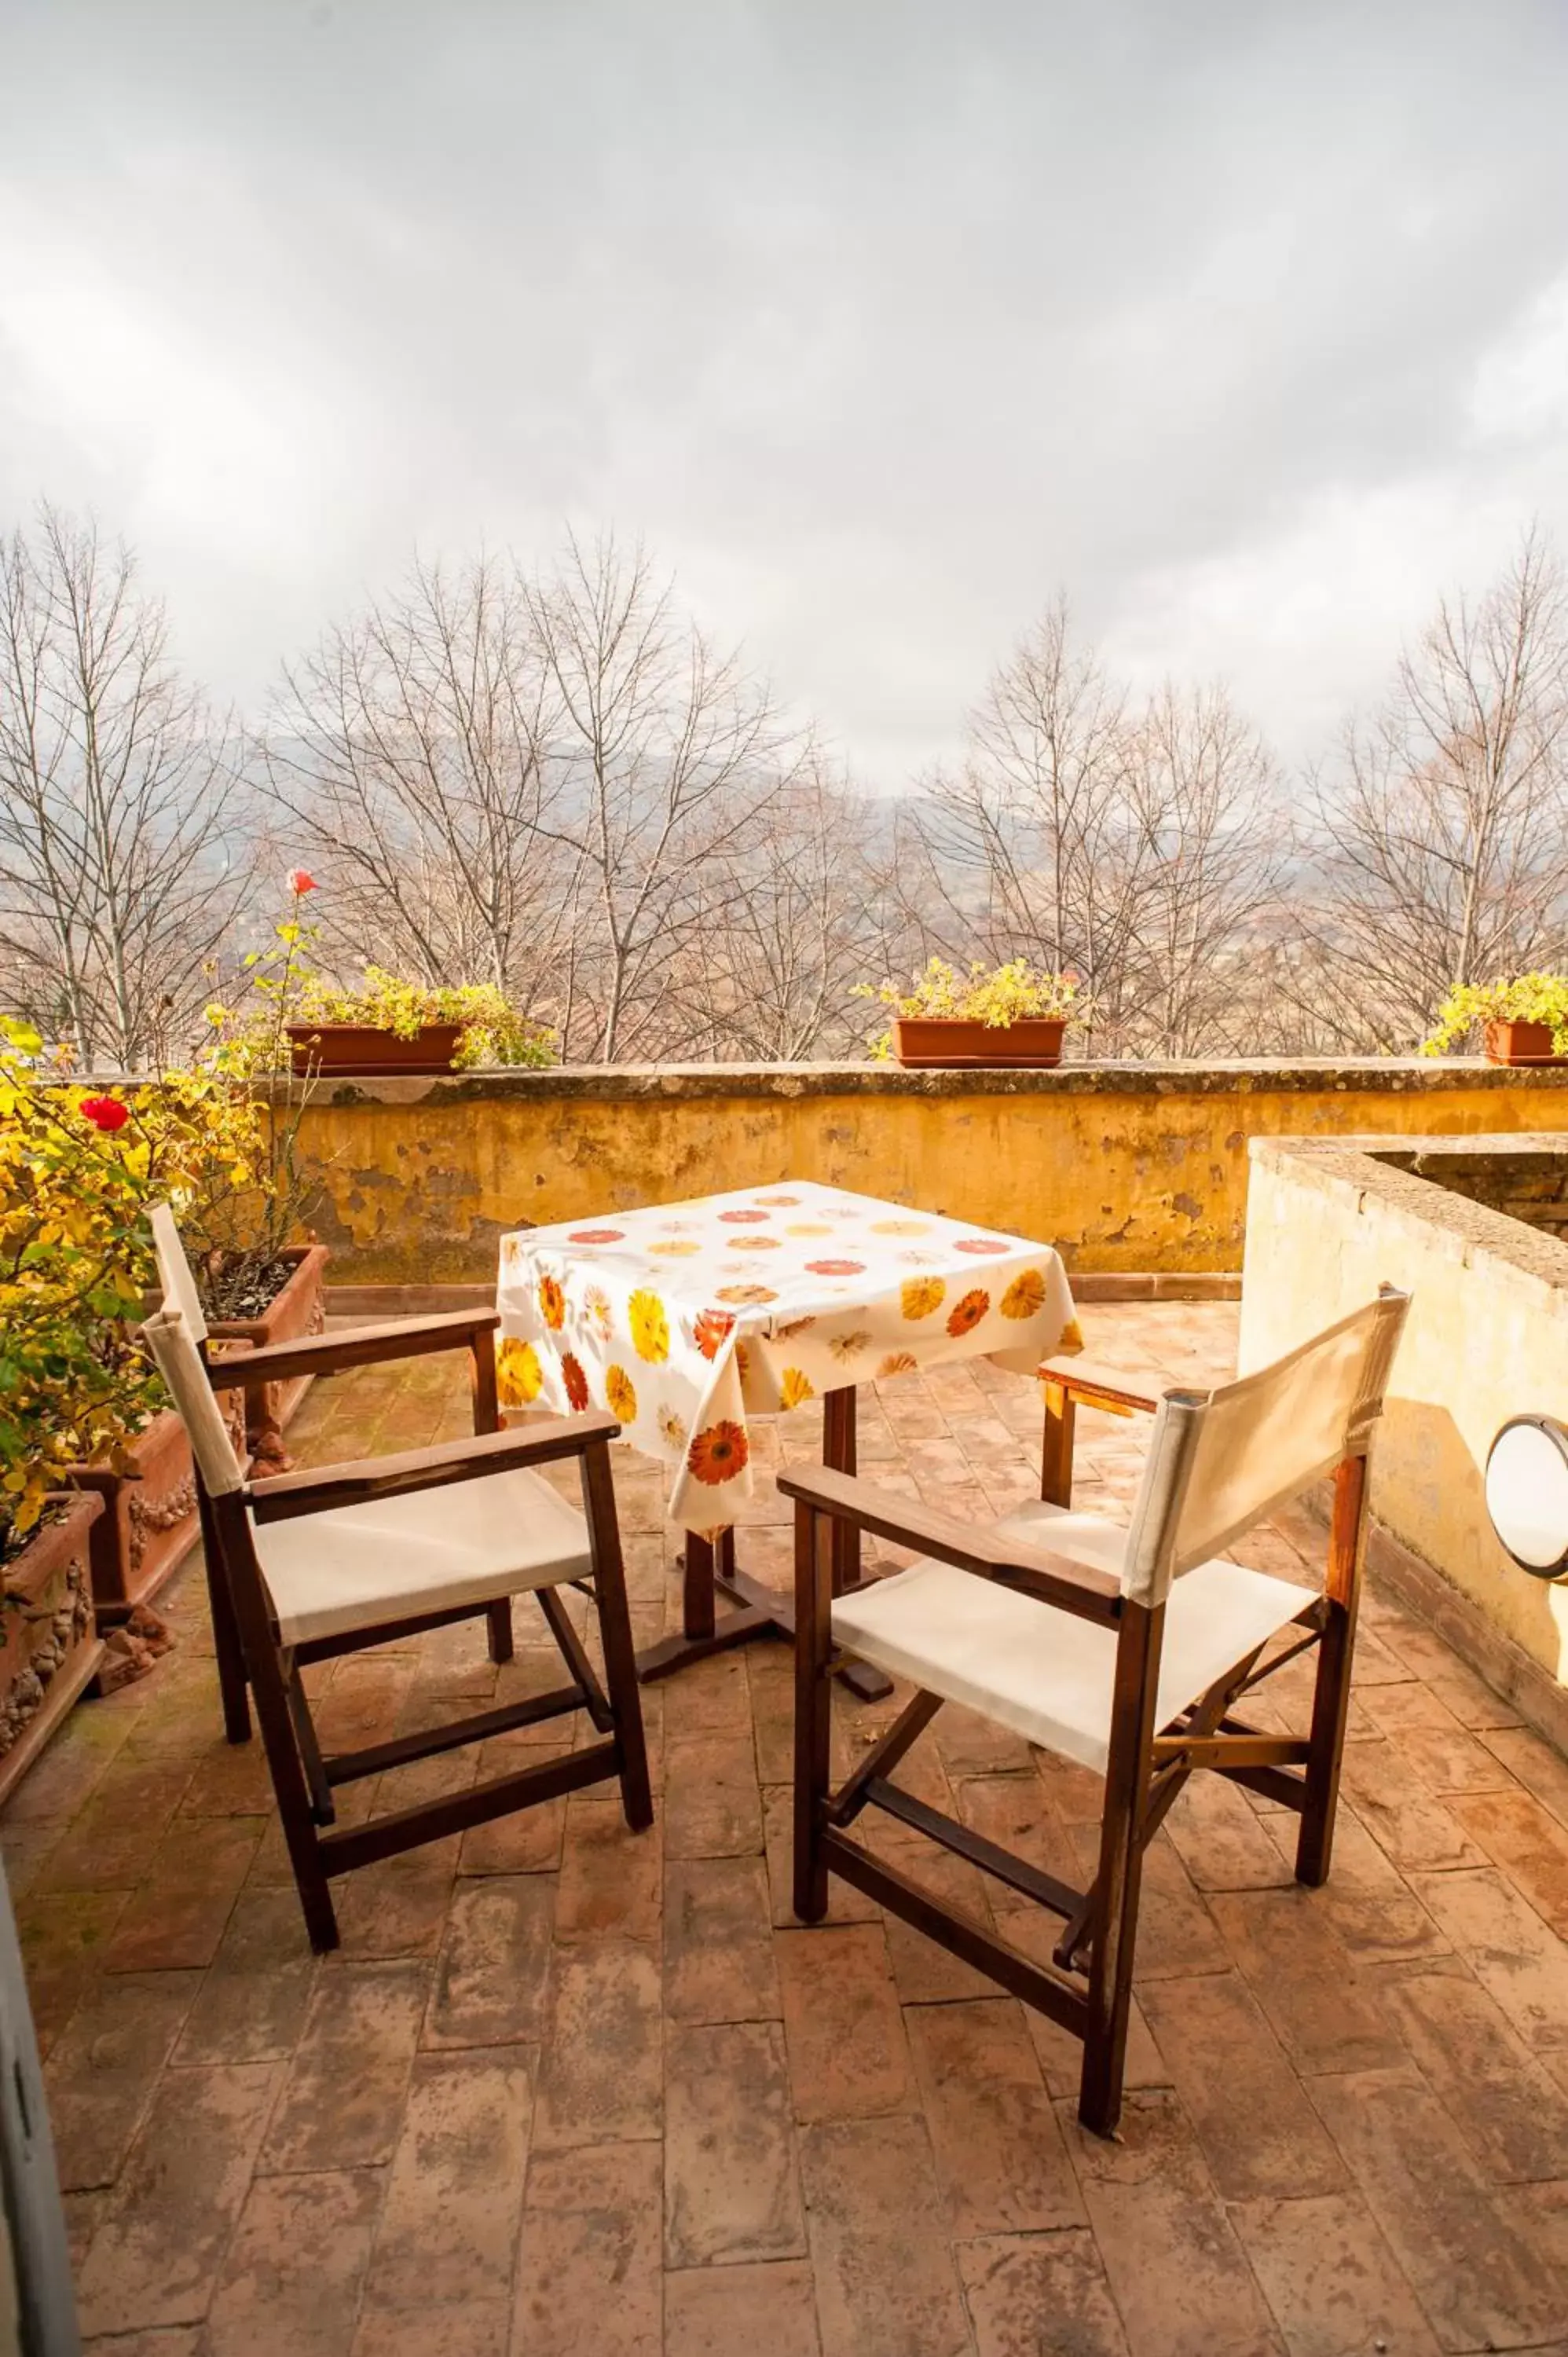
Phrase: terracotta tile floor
(563, 2091)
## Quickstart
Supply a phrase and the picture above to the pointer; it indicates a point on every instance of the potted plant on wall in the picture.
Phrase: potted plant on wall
(1523, 1020)
(1004, 1017)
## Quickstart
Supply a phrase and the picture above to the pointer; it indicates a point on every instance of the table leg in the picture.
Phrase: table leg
(705, 1564)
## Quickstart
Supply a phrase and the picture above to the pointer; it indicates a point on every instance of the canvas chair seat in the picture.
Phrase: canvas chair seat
(427, 1551)
(1046, 1677)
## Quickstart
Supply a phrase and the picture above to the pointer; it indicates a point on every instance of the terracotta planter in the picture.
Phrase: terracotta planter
(298, 1310)
(147, 1523)
(922, 1040)
(50, 1645)
(1521, 1043)
(323, 1049)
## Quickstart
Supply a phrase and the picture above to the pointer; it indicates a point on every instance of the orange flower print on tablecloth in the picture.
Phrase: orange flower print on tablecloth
(551, 1304)
(650, 1328)
(794, 1388)
(754, 1243)
(712, 1326)
(597, 1309)
(1024, 1296)
(575, 1381)
(836, 1267)
(719, 1453)
(967, 1314)
(619, 1397)
(746, 1296)
(898, 1362)
(518, 1373)
(921, 1298)
(981, 1245)
(673, 1431)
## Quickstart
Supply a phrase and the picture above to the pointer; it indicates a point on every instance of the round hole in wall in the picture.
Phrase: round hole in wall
(1527, 1493)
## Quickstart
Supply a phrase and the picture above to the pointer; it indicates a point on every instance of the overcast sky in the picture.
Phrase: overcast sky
(877, 318)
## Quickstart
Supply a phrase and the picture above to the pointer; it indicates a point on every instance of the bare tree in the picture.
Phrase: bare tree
(121, 866)
(1443, 854)
(664, 756)
(410, 757)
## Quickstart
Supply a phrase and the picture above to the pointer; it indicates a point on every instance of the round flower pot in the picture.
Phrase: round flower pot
(50, 1645)
(920, 1041)
(324, 1050)
(1521, 1043)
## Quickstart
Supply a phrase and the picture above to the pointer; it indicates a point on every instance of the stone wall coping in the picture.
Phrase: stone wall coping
(1472, 1235)
(1211, 1077)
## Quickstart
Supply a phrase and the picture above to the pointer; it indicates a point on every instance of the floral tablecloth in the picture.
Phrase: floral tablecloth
(683, 1319)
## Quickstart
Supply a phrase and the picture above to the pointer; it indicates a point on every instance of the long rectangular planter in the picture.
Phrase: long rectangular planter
(298, 1310)
(50, 1645)
(322, 1049)
(927, 1041)
(1521, 1043)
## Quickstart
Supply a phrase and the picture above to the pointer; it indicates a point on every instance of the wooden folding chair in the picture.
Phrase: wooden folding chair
(383, 1549)
(325, 1354)
(1126, 1650)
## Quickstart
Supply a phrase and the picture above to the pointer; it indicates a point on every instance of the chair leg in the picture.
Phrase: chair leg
(321, 1807)
(1120, 1877)
(294, 1808)
(498, 1616)
(614, 1635)
(226, 1645)
(1331, 1695)
(813, 1709)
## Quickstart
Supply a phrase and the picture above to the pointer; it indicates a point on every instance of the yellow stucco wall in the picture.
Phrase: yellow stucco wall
(1486, 1337)
(1125, 1167)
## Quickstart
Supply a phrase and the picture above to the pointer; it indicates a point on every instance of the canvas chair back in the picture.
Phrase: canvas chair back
(179, 1363)
(1220, 1461)
(174, 1274)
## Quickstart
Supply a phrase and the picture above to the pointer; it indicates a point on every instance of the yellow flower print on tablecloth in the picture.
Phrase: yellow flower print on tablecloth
(719, 1453)
(551, 1304)
(672, 1429)
(900, 1227)
(967, 1314)
(518, 1373)
(1071, 1336)
(921, 1298)
(896, 1362)
(675, 1247)
(808, 1228)
(620, 1396)
(1024, 1296)
(794, 1389)
(845, 1347)
(650, 1328)
(597, 1311)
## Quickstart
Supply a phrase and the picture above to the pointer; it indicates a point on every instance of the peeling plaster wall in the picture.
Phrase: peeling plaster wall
(1125, 1167)
(1486, 1337)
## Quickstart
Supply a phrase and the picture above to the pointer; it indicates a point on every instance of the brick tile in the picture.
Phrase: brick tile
(885, 2280)
(848, 2053)
(342, 2101)
(63, 1935)
(924, 1972)
(718, 1948)
(101, 2070)
(711, 1807)
(1525, 1839)
(455, 2190)
(175, 2341)
(1260, 2135)
(1220, 1840)
(1398, 1811)
(971, 1745)
(156, 2258)
(610, 1876)
(1015, 1813)
(1479, 2278)
(293, 2275)
(526, 1841)
(177, 1919)
(475, 2328)
(111, 1845)
(1534, 1764)
(999, 2154)
(1519, 1962)
(731, 2185)
(724, 2312)
(600, 2068)
(492, 1974)
(231, 1780)
(254, 2000)
(1018, 2285)
(845, 1904)
(1176, 1931)
(1324, 2009)
(1331, 2277)
(1365, 1898)
(1513, 2116)
(588, 2270)
(395, 1908)
(1178, 2273)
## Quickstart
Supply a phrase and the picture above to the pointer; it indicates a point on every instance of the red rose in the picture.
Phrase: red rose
(300, 881)
(105, 1113)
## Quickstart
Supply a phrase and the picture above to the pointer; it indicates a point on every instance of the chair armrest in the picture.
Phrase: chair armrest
(358, 1346)
(1051, 1578)
(1098, 1387)
(322, 1487)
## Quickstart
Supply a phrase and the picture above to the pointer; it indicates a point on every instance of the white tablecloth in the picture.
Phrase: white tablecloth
(683, 1319)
